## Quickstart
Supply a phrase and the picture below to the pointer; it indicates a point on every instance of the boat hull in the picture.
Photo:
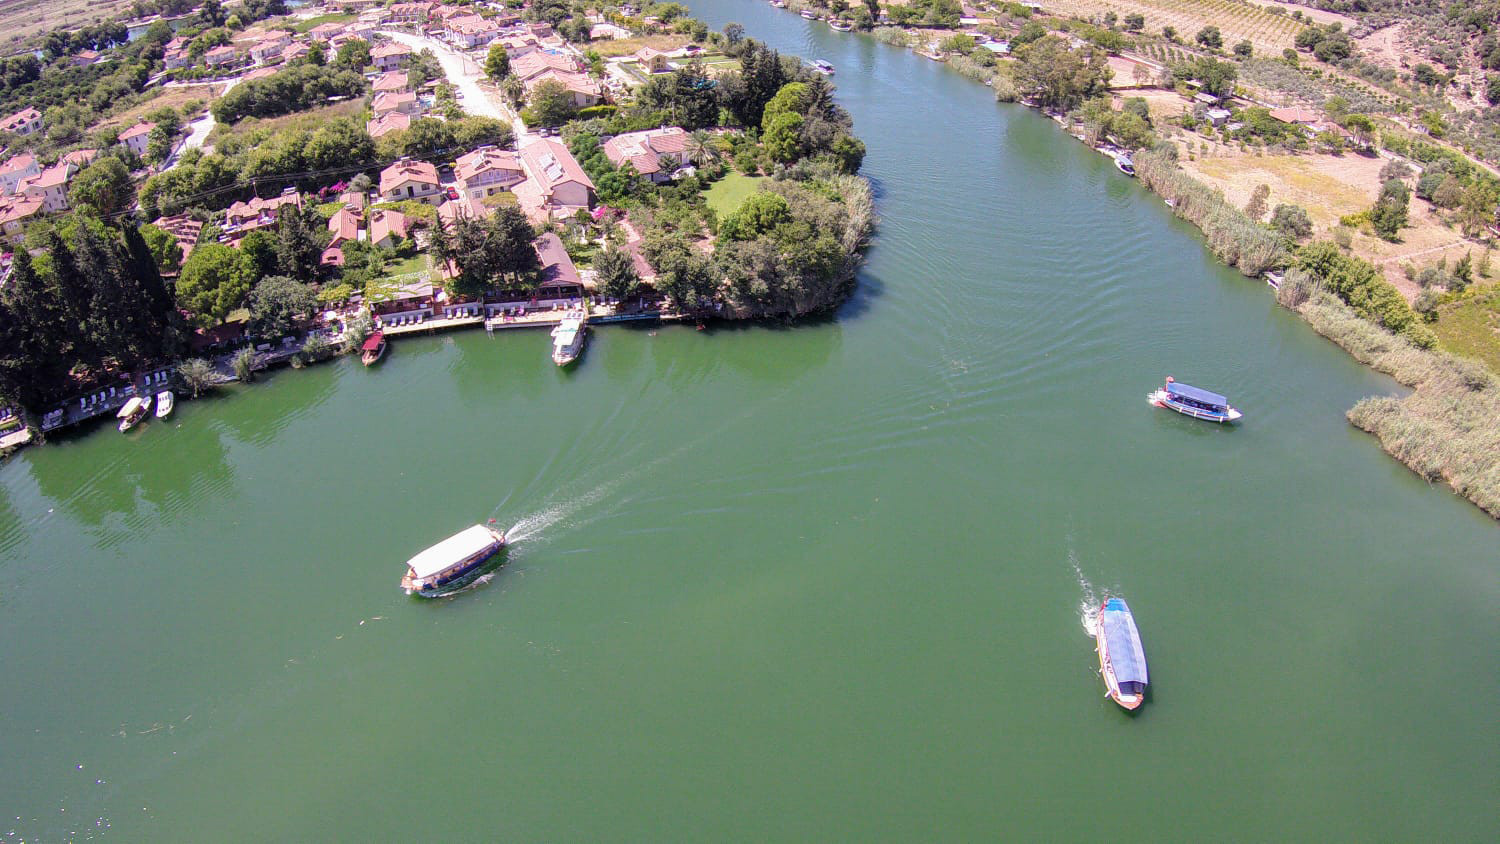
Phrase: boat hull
(372, 358)
(164, 403)
(1127, 698)
(1160, 398)
(455, 581)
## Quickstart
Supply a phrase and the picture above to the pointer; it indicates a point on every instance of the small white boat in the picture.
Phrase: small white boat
(778, 4)
(823, 67)
(1125, 165)
(810, 14)
(452, 562)
(567, 337)
(165, 401)
(133, 412)
(840, 26)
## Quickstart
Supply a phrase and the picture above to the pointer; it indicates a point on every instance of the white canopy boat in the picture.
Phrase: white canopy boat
(567, 337)
(165, 401)
(133, 412)
(452, 562)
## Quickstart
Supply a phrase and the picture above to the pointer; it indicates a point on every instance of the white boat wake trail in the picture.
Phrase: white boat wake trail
(1088, 605)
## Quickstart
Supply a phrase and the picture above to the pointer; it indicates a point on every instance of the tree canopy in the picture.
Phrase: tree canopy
(1048, 72)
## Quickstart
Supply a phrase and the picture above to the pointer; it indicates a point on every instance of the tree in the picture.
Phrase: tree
(701, 148)
(1477, 211)
(782, 136)
(1244, 49)
(214, 281)
(1423, 74)
(734, 33)
(158, 144)
(259, 249)
(165, 250)
(1492, 90)
(1210, 37)
(1389, 213)
(197, 375)
(353, 55)
(615, 269)
(1169, 33)
(299, 247)
(1395, 169)
(1256, 207)
(103, 187)
(1363, 129)
(497, 63)
(276, 303)
(1135, 23)
(551, 103)
(1056, 77)
(1292, 221)
(759, 214)
(212, 14)
(491, 253)
(316, 55)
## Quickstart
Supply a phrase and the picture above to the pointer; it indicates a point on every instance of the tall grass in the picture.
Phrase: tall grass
(1236, 239)
(1448, 428)
(893, 35)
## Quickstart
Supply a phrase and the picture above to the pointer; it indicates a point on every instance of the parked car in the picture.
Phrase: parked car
(452, 192)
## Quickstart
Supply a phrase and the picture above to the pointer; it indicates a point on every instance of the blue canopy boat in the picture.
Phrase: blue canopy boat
(1192, 401)
(1122, 661)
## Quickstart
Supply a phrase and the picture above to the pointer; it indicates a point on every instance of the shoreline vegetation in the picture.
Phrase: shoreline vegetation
(1447, 428)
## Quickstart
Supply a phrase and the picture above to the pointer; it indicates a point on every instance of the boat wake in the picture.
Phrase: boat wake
(1088, 604)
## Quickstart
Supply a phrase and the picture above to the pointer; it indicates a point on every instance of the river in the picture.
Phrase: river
(812, 583)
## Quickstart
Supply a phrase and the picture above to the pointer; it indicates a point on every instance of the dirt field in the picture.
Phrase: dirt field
(174, 97)
(1330, 186)
(626, 46)
(1270, 33)
(21, 19)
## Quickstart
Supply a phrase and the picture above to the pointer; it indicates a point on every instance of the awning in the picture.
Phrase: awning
(372, 343)
(1188, 391)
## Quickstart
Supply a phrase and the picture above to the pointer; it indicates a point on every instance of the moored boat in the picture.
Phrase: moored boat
(1122, 660)
(778, 4)
(1192, 401)
(452, 562)
(165, 401)
(823, 67)
(840, 26)
(373, 349)
(133, 412)
(809, 14)
(1125, 165)
(567, 337)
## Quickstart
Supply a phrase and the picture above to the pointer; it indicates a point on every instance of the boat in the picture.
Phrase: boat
(778, 4)
(1122, 661)
(133, 412)
(823, 67)
(840, 26)
(165, 401)
(1192, 401)
(567, 337)
(452, 562)
(373, 349)
(1126, 166)
(810, 14)
(1274, 279)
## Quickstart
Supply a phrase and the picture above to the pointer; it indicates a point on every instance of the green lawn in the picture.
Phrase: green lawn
(1472, 328)
(726, 194)
(415, 264)
(307, 25)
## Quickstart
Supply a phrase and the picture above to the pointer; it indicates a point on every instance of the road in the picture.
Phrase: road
(464, 73)
(197, 131)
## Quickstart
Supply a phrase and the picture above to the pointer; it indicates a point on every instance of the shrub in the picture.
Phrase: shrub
(1358, 284)
(1292, 221)
(197, 375)
(244, 365)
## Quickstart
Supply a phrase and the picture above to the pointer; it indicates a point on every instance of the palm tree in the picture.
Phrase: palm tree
(702, 148)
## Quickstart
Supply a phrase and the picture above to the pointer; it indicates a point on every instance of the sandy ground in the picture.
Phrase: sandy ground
(1316, 14)
(1123, 70)
(175, 96)
(1330, 186)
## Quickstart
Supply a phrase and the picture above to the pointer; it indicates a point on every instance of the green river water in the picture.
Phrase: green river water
(813, 583)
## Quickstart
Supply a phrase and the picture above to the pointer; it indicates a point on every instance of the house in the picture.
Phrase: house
(266, 49)
(136, 137)
(405, 102)
(391, 121)
(297, 50)
(175, 53)
(51, 185)
(411, 13)
(221, 56)
(1297, 116)
(15, 170)
(654, 61)
(15, 213)
(183, 229)
(560, 278)
(472, 31)
(1206, 98)
(258, 213)
(487, 171)
(387, 227)
(27, 121)
(344, 225)
(558, 183)
(325, 31)
(80, 158)
(408, 179)
(393, 80)
(390, 56)
(654, 153)
(532, 65)
(517, 46)
(1217, 116)
(84, 58)
(999, 48)
(585, 90)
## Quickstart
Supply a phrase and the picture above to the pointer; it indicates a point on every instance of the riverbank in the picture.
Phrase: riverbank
(1439, 430)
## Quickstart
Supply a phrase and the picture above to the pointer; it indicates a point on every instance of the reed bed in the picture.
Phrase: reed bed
(1236, 239)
